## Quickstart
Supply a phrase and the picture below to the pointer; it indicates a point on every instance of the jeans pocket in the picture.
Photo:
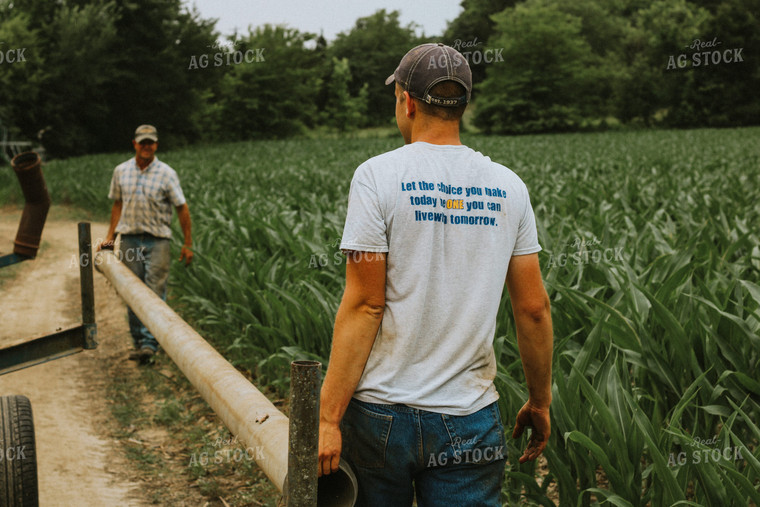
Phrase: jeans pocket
(476, 438)
(365, 435)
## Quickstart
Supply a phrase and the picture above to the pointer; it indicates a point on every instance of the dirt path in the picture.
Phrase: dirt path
(78, 464)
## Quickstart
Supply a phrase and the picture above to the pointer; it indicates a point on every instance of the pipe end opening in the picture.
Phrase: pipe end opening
(338, 489)
(25, 161)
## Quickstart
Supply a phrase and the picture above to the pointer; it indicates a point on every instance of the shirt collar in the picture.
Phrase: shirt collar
(150, 166)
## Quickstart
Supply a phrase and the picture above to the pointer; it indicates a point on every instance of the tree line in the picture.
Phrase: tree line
(86, 72)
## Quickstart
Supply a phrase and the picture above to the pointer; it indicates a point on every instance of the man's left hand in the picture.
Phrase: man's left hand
(186, 254)
(538, 420)
(330, 443)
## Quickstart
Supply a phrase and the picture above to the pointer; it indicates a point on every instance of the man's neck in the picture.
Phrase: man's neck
(436, 132)
(142, 163)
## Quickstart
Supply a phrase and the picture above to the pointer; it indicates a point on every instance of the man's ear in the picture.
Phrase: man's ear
(409, 104)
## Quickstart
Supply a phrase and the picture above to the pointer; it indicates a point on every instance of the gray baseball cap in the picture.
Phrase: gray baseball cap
(146, 132)
(429, 64)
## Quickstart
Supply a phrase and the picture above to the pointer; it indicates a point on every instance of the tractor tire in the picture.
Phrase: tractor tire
(18, 456)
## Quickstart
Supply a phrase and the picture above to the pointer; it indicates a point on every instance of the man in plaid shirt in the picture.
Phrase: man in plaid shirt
(144, 189)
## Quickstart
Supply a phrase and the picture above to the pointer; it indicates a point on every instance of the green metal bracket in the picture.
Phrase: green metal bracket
(42, 349)
(7, 260)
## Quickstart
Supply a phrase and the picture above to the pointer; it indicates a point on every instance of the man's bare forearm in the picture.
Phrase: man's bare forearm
(356, 324)
(353, 337)
(535, 340)
(183, 213)
(115, 217)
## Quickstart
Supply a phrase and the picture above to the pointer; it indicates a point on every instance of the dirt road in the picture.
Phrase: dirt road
(78, 465)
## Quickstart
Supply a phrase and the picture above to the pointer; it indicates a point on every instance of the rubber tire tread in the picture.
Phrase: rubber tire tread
(18, 475)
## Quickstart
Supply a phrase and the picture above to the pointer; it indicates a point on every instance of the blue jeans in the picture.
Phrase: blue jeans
(148, 257)
(398, 452)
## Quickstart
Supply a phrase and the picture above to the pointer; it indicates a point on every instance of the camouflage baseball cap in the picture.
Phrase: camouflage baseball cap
(146, 132)
(429, 64)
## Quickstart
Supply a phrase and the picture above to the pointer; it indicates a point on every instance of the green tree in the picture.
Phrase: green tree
(374, 47)
(724, 94)
(95, 69)
(659, 31)
(20, 82)
(58, 90)
(273, 96)
(548, 78)
(343, 111)
(152, 84)
(475, 25)
(73, 108)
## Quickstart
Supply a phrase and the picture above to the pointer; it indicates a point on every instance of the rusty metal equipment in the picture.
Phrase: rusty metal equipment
(28, 169)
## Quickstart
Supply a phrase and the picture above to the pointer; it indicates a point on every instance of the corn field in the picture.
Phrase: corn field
(651, 260)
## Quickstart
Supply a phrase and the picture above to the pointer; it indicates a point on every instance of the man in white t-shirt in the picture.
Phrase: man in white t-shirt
(433, 231)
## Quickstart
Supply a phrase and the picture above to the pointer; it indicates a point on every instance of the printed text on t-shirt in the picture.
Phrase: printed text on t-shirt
(419, 200)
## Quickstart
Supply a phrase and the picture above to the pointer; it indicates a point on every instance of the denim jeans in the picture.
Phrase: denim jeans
(148, 257)
(398, 452)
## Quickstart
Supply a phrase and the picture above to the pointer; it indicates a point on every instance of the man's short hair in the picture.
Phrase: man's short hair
(444, 89)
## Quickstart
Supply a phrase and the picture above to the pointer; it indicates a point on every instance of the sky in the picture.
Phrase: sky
(330, 17)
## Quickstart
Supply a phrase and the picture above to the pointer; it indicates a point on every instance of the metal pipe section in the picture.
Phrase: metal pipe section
(246, 412)
(339, 489)
(304, 434)
(28, 169)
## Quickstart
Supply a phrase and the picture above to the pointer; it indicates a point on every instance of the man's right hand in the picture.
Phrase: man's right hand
(538, 419)
(330, 445)
(107, 244)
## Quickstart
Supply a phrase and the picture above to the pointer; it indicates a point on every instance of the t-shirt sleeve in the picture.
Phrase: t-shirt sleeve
(365, 229)
(115, 191)
(527, 235)
(174, 190)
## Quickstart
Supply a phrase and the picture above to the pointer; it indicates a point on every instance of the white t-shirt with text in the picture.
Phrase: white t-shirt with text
(449, 219)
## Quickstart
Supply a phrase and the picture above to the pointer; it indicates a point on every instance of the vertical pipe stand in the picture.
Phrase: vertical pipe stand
(304, 434)
(90, 329)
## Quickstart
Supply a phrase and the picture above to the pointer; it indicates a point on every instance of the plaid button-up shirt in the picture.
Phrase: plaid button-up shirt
(147, 197)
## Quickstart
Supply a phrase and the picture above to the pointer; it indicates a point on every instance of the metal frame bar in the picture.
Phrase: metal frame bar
(66, 342)
(10, 259)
